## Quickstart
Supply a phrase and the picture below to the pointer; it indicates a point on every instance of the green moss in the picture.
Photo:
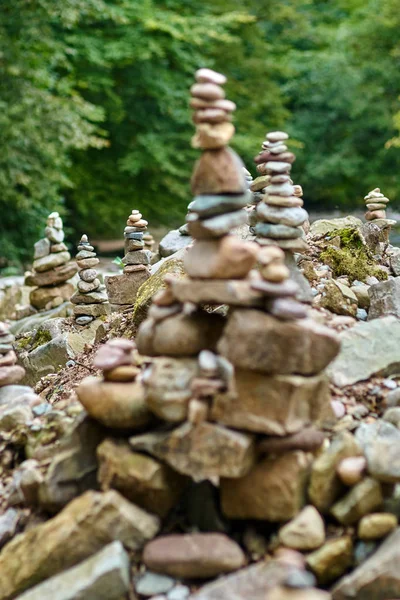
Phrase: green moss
(355, 263)
(350, 237)
(31, 342)
(173, 266)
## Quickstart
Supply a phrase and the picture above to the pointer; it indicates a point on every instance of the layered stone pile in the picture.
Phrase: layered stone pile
(280, 211)
(90, 300)
(15, 400)
(51, 268)
(122, 289)
(376, 204)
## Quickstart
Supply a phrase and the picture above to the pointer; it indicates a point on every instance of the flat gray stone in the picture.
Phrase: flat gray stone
(150, 584)
(324, 226)
(384, 299)
(293, 217)
(104, 576)
(367, 349)
(278, 232)
(41, 248)
(173, 242)
(380, 442)
(211, 205)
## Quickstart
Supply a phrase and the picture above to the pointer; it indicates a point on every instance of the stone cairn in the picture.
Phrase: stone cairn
(376, 205)
(91, 298)
(10, 372)
(51, 268)
(122, 289)
(279, 202)
(241, 394)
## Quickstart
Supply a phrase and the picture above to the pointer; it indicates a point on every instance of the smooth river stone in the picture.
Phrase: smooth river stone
(207, 91)
(278, 232)
(218, 172)
(11, 375)
(284, 189)
(225, 258)
(54, 235)
(283, 201)
(277, 136)
(51, 261)
(212, 137)
(85, 286)
(278, 167)
(292, 217)
(215, 227)
(87, 263)
(208, 206)
(88, 275)
(89, 298)
(205, 75)
(140, 257)
(85, 254)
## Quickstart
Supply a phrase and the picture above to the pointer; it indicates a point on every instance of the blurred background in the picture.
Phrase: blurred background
(94, 117)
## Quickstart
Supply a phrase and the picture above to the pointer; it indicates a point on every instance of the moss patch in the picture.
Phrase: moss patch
(31, 342)
(353, 258)
(172, 266)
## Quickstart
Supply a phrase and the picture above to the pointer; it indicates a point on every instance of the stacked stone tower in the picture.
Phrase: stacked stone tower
(122, 289)
(90, 300)
(51, 268)
(376, 204)
(227, 382)
(280, 211)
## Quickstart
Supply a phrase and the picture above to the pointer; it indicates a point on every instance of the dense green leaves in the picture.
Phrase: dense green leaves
(94, 115)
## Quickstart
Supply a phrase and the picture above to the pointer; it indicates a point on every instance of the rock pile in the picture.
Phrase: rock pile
(90, 300)
(122, 289)
(223, 381)
(15, 400)
(376, 205)
(280, 212)
(51, 268)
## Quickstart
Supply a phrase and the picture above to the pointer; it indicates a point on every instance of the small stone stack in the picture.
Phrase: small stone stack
(148, 241)
(10, 372)
(116, 399)
(280, 212)
(376, 205)
(90, 300)
(51, 268)
(273, 282)
(122, 289)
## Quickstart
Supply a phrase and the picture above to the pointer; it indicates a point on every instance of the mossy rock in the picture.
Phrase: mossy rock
(171, 266)
(353, 258)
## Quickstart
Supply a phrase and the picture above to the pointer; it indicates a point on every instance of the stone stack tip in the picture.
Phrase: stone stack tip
(90, 300)
(279, 207)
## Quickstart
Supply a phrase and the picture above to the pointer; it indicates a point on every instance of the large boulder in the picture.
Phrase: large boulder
(257, 341)
(367, 349)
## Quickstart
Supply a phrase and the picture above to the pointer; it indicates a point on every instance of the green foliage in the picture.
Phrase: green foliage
(94, 103)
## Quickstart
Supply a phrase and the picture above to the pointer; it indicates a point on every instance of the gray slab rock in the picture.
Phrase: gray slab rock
(376, 578)
(367, 349)
(84, 527)
(104, 576)
(384, 299)
(324, 226)
(172, 242)
(380, 442)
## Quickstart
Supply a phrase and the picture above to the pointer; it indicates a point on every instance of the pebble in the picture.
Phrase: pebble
(207, 91)
(209, 76)
(363, 550)
(393, 398)
(299, 579)
(361, 314)
(180, 592)
(389, 384)
(277, 136)
(351, 470)
(338, 408)
(84, 320)
(41, 409)
(376, 526)
(150, 584)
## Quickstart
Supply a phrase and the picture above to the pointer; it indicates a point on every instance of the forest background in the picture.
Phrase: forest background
(94, 117)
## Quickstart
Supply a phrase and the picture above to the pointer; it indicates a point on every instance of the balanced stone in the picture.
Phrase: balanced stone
(42, 248)
(215, 227)
(218, 172)
(212, 137)
(211, 205)
(87, 263)
(88, 275)
(51, 261)
(140, 257)
(225, 258)
(278, 231)
(292, 217)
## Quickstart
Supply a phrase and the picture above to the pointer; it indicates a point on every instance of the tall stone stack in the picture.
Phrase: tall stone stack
(51, 268)
(376, 204)
(280, 212)
(122, 289)
(90, 300)
(231, 384)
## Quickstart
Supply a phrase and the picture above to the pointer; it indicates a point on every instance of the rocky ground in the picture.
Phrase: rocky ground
(84, 514)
